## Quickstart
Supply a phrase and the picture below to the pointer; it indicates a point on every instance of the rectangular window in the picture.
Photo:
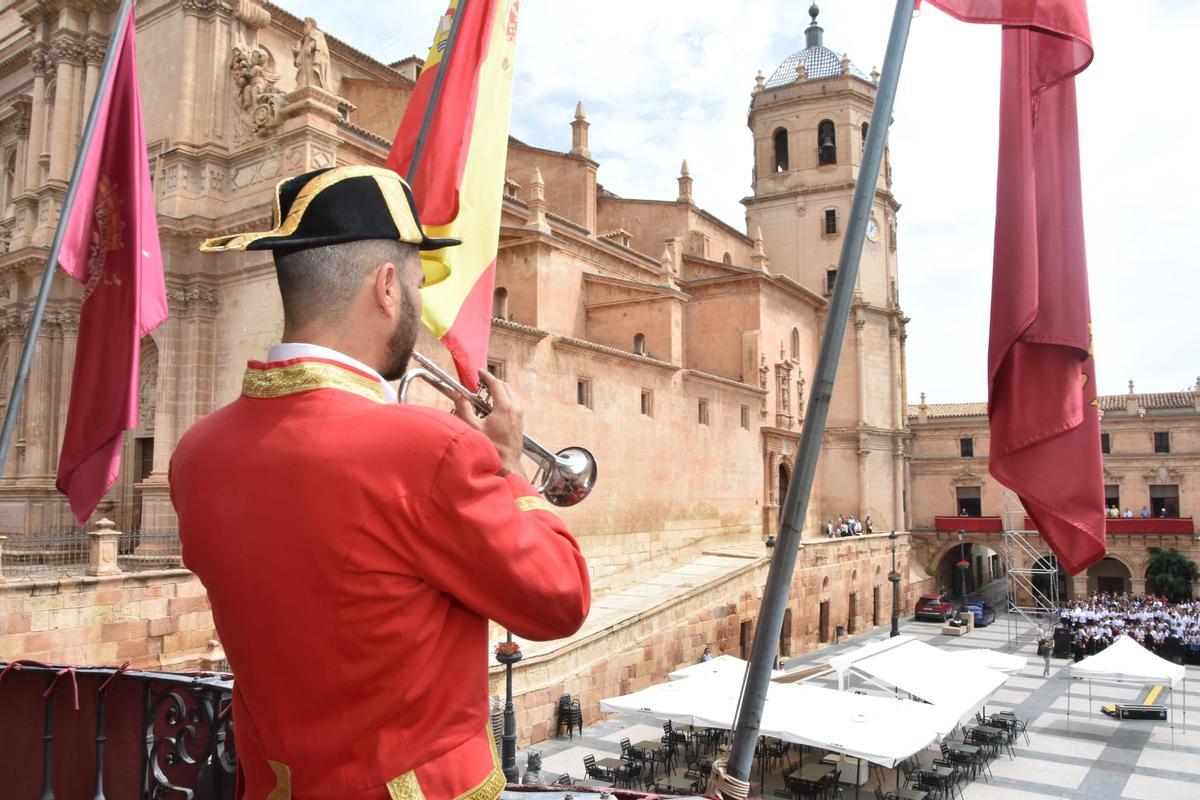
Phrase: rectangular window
(830, 280)
(746, 418)
(830, 222)
(970, 502)
(583, 392)
(1164, 500)
(1112, 495)
(647, 403)
(497, 369)
(966, 447)
(1105, 444)
(1162, 441)
(702, 412)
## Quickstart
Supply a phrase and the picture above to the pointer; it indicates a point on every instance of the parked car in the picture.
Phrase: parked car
(984, 614)
(936, 607)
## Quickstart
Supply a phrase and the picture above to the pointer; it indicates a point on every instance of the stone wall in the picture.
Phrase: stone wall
(648, 646)
(154, 620)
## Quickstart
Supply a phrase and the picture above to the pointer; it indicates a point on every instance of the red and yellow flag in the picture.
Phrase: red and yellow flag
(457, 127)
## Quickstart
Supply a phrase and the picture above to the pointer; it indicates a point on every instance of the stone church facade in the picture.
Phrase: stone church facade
(653, 320)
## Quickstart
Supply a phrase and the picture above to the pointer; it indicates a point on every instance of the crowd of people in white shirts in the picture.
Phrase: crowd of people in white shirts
(849, 525)
(1152, 621)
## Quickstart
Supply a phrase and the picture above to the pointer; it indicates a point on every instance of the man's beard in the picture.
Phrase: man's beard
(400, 344)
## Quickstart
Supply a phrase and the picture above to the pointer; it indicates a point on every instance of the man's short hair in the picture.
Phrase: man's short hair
(321, 283)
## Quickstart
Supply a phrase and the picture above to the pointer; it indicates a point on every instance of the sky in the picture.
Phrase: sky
(667, 80)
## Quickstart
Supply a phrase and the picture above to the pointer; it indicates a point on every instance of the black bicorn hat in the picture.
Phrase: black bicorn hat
(334, 206)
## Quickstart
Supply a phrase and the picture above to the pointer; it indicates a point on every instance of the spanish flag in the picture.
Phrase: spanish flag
(452, 146)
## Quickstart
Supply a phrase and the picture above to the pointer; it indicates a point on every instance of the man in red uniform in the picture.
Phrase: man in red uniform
(353, 548)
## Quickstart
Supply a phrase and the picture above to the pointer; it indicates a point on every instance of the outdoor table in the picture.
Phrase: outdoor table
(676, 784)
(962, 747)
(911, 794)
(853, 771)
(812, 772)
(610, 763)
(938, 770)
(649, 746)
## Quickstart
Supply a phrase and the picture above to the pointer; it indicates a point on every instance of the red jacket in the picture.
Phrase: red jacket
(353, 552)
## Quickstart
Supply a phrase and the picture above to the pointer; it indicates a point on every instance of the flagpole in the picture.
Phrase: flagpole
(436, 93)
(795, 508)
(39, 308)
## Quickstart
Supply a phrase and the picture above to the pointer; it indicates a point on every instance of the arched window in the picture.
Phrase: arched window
(639, 344)
(783, 482)
(781, 150)
(795, 343)
(727, 259)
(500, 303)
(826, 143)
(865, 127)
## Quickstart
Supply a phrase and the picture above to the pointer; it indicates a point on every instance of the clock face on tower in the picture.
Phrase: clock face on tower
(872, 230)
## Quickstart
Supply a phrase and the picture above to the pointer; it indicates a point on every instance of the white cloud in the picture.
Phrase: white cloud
(664, 81)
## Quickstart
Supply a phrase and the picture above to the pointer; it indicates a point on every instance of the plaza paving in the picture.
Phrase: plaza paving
(1083, 756)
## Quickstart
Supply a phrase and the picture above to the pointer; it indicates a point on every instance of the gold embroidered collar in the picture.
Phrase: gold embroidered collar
(282, 378)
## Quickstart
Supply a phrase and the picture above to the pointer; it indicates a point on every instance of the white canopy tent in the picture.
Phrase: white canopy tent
(720, 666)
(956, 688)
(1126, 661)
(1007, 663)
(882, 730)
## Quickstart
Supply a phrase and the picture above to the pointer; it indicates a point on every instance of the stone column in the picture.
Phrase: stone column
(1137, 585)
(37, 118)
(2, 538)
(36, 410)
(63, 130)
(187, 76)
(102, 549)
(68, 325)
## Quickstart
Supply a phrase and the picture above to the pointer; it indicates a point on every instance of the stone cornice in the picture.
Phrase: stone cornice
(571, 343)
(517, 330)
(728, 383)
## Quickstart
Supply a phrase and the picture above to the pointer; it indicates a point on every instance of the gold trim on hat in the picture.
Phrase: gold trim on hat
(394, 198)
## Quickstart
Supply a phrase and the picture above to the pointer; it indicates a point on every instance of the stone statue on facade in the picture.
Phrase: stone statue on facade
(254, 76)
(311, 57)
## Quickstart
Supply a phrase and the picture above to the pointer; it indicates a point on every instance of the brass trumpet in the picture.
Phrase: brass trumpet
(563, 478)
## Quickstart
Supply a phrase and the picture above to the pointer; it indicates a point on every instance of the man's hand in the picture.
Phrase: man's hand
(505, 426)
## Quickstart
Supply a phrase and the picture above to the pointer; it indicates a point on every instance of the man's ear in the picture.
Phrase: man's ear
(386, 289)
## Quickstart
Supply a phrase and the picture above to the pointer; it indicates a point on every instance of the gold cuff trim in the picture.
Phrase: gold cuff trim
(531, 503)
(406, 787)
(283, 781)
(305, 377)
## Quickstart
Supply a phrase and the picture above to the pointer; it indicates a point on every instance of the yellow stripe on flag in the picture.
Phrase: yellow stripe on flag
(480, 195)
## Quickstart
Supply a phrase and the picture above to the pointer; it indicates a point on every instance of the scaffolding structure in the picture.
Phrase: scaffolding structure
(1032, 576)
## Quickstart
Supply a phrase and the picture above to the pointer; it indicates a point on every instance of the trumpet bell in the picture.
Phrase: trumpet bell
(569, 478)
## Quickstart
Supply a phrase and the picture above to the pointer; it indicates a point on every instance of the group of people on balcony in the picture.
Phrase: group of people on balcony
(1153, 622)
(1113, 512)
(849, 525)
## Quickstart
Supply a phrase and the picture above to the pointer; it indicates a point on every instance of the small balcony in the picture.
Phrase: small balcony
(968, 524)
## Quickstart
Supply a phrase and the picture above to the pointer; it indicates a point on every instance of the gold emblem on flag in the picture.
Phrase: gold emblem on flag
(106, 235)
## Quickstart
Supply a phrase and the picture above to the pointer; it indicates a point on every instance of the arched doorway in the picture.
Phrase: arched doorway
(951, 577)
(1108, 575)
(784, 475)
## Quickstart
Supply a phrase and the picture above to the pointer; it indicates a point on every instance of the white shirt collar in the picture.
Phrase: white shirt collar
(290, 350)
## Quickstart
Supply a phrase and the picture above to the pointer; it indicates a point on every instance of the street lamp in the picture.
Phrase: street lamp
(508, 741)
(962, 565)
(894, 577)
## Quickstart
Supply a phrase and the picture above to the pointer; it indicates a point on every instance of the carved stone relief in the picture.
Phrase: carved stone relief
(147, 389)
(260, 104)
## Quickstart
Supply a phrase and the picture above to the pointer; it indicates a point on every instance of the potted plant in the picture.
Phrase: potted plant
(508, 652)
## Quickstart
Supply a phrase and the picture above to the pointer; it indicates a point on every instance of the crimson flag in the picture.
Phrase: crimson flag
(1045, 420)
(111, 247)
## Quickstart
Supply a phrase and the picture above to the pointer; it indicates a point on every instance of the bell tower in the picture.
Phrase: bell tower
(810, 120)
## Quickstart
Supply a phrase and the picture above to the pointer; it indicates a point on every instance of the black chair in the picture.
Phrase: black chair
(673, 737)
(563, 780)
(629, 772)
(595, 771)
(564, 717)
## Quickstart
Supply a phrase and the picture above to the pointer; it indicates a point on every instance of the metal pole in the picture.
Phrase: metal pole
(783, 564)
(39, 308)
(436, 93)
(508, 741)
(894, 577)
